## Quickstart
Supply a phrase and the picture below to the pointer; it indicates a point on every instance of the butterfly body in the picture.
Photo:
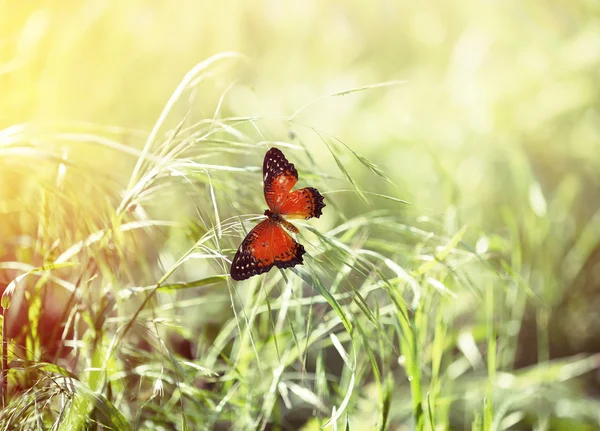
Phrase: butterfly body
(268, 244)
(278, 218)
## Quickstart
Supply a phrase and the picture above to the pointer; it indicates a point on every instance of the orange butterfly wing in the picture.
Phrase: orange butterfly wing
(279, 177)
(303, 203)
(265, 246)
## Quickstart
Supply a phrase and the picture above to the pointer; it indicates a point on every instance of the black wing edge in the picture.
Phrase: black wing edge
(239, 271)
(297, 260)
(272, 158)
(317, 204)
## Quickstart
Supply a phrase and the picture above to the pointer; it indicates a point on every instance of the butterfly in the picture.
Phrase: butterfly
(268, 244)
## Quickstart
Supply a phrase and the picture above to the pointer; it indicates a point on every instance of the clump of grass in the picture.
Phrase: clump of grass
(395, 320)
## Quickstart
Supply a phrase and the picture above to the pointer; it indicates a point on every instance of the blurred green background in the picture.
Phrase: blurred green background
(483, 114)
(485, 82)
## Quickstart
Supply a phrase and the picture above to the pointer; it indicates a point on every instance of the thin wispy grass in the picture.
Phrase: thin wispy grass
(395, 321)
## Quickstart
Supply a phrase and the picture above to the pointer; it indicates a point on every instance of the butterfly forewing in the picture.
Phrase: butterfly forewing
(303, 203)
(279, 177)
(266, 245)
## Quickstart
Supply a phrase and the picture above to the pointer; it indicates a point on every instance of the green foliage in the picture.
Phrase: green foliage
(448, 285)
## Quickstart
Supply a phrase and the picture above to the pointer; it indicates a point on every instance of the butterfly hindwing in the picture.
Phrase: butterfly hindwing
(279, 177)
(265, 246)
(286, 251)
(303, 204)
